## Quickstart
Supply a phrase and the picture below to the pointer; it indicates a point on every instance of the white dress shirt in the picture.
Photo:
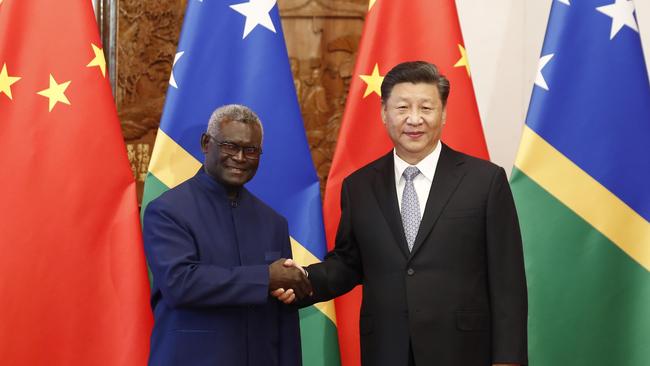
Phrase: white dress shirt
(422, 182)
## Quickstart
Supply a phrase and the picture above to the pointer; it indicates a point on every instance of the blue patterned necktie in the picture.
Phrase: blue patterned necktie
(410, 206)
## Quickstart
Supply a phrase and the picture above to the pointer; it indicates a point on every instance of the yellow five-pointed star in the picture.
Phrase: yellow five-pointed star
(55, 93)
(370, 4)
(463, 59)
(6, 80)
(373, 82)
(99, 59)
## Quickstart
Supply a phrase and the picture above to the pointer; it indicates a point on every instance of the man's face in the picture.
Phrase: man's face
(232, 170)
(414, 116)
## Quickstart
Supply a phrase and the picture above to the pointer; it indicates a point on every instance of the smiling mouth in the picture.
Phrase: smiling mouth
(236, 170)
(414, 135)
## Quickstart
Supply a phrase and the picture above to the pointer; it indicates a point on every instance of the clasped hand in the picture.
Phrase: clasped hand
(288, 281)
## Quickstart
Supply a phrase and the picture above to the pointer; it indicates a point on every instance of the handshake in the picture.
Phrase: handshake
(288, 281)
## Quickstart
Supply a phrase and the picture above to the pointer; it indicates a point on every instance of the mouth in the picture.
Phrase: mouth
(235, 170)
(414, 134)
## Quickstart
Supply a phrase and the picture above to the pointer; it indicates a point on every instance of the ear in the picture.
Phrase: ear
(444, 115)
(383, 113)
(204, 143)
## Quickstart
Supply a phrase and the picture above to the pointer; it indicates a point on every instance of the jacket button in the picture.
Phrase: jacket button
(410, 271)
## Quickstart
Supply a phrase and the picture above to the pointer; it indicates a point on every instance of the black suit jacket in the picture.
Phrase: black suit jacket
(460, 296)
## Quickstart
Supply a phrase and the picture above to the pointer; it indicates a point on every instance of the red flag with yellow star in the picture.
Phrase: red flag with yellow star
(394, 32)
(73, 279)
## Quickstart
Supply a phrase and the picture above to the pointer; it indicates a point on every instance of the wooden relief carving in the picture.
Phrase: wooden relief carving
(322, 38)
(147, 36)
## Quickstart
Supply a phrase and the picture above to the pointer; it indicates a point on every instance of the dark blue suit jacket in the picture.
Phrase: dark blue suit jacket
(209, 257)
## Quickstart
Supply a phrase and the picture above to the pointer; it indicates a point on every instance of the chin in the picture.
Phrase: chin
(236, 182)
(415, 150)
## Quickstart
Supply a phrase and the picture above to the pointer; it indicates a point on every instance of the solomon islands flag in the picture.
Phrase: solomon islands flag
(582, 186)
(234, 52)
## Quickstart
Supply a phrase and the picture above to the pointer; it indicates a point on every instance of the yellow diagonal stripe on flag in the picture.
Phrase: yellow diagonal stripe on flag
(304, 257)
(576, 189)
(170, 163)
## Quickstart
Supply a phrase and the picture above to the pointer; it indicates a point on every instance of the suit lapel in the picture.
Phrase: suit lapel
(448, 175)
(386, 195)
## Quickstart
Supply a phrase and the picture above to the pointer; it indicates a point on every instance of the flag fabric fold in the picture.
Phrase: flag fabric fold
(580, 183)
(395, 32)
(73, 279)
(234, 53)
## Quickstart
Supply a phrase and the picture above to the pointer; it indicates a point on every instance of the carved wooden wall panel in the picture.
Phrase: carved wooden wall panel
(147, 36)
(322, 39)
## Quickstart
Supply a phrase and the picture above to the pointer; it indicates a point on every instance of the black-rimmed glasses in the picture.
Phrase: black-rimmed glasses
(232, 149)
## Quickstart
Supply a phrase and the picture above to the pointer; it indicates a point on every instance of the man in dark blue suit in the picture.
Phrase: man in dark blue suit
(215, 252)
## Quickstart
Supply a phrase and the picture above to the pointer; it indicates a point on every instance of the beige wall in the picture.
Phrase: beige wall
(504, 40)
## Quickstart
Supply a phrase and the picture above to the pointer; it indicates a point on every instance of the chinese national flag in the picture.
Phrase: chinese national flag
(73, 279)
(394, 32)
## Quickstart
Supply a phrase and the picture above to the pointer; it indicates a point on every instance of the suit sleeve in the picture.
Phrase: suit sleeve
(183, 279)
(506, 276)
(290, 350)
(341, 269)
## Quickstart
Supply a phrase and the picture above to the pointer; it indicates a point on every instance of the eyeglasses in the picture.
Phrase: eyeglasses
(232, 149)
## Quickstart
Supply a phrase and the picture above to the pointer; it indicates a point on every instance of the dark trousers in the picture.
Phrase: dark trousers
(411, 358)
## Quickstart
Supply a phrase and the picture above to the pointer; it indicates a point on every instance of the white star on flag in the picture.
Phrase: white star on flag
(539, 80)
(172, 80)
(256, 13)
(564, 2)
(622, 13)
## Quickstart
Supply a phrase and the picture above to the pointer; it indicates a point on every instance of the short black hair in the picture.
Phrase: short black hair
(415, 72)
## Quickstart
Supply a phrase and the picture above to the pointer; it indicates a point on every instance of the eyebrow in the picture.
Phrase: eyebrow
(402, 99)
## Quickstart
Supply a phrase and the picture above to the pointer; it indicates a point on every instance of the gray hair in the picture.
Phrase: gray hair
(232, 112)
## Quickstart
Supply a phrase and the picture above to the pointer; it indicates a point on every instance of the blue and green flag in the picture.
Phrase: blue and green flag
(582, 186)
(234, 52)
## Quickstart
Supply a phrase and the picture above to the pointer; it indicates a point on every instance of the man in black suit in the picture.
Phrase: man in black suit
(433, 236)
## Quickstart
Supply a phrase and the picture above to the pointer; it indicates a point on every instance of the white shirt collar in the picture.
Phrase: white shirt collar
(427, 166)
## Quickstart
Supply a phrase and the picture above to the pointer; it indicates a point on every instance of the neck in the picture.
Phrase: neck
(231, 191)
(415, 158)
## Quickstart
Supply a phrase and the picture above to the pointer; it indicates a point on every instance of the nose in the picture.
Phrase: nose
(414, 117)
(239, 156)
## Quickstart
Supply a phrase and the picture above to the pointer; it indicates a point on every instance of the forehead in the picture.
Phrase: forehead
(414, 92)
(236, 131)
